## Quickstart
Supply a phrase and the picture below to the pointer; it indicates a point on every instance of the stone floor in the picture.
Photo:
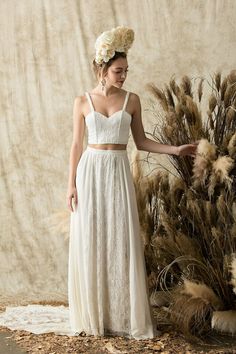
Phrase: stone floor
(8, 345)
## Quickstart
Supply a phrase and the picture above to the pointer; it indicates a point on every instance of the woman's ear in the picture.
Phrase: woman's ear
(98, 75)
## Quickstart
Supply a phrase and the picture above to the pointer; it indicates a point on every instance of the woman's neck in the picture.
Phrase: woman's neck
(107, 91)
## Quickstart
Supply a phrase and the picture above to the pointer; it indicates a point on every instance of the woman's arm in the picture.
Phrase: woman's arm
(76, 148)
(146, 144)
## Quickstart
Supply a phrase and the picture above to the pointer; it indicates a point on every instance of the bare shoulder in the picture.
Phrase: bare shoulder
(80, 103)
(79, 100)
(134, 98)
(134, 103)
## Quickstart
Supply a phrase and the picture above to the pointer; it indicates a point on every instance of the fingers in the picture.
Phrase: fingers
(193, 146)
(75, 198)
(70, 201)
(69, 204)
(189, 149)
(193, 150)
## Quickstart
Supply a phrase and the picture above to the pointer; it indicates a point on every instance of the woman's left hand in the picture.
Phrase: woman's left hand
(187, 149)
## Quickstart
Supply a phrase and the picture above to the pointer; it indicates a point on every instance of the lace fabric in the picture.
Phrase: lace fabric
(107, 283)
(113, 129)
(37, 319)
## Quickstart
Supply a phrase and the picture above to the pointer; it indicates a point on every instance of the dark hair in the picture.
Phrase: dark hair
(102, 68)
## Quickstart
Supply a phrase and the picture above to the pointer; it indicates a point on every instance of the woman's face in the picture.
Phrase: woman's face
(117, 72)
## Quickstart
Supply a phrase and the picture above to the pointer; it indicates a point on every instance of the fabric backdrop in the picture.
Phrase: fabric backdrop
(47, 47)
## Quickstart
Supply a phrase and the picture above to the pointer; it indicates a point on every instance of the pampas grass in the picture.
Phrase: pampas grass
(232, 146)
(202, 291)
(221, 168)
(224, 321)
(160, 299)
(206, 154)
(206, 150)
(233, 273)
(190, 219)
(190, 314)
(220, 173)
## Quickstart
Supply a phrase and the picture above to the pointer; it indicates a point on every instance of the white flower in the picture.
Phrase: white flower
(106, 38)
(118, 39)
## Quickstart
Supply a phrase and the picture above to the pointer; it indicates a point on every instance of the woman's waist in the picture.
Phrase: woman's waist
(108, 146)
(113, 149)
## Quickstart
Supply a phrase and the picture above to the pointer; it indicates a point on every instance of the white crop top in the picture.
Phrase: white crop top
(108, 130)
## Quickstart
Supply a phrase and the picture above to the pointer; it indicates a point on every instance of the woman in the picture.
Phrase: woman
(107, 284)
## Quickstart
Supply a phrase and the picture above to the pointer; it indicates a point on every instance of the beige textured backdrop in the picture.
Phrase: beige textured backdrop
(46, 51)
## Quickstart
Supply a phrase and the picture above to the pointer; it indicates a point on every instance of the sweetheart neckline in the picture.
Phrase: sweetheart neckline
(106, 117)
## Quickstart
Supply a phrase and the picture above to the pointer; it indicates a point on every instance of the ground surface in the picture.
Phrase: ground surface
(169, 342)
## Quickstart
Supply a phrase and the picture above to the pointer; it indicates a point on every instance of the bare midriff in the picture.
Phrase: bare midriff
(109, 146)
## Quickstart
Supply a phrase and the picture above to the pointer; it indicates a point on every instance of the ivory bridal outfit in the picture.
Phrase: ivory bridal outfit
(107, 282)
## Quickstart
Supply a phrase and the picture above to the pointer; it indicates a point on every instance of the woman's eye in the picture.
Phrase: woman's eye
(119, 72)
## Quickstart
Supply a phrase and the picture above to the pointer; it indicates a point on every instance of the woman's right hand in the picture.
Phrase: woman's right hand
(72, 193)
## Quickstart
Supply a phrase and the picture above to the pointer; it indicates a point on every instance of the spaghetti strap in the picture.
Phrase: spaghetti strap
(126, 100)
(89, 100)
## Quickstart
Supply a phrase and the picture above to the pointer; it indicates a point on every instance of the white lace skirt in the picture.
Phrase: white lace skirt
(107, 283)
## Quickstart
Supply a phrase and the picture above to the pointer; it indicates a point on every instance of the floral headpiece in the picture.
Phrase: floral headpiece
(118, 39)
